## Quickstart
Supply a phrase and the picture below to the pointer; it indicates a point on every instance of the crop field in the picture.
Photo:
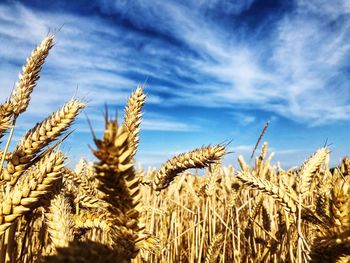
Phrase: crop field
(111, 210)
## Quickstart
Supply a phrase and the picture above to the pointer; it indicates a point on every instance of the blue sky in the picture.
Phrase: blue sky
(216, 71)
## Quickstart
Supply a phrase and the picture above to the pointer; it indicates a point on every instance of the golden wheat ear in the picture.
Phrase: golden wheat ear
(214, 249)
(59, 222)
(27, 193)
(332, 241)
(340, 202)
(6, 110)
(30, 75)
(132, 117)
(309, 168)
(288, 201)
(345, 166)
(198, 158)
(97, 218)
(331, 247)
(39, 137)
(118, 184)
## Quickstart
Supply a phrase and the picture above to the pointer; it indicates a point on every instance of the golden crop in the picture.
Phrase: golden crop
(109, 211)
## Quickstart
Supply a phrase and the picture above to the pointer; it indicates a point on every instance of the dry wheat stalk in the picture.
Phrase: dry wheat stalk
(198, 158)
(30, 74)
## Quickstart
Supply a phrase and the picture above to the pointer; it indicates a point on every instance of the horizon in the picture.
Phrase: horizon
(213, 71)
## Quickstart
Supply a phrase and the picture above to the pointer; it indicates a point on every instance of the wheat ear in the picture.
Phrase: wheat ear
(309, 168)
(94, 219)
(132, 117)
(84, 191)
(279, 194)
(26, 195)
(118, 182)
(340, 203)
(38, 137)
(59, 222)
(345, 166)
(266, 219)
(331, 246)
(30, 74)
(343, 259)
(198, 158)
(120, 187)
(5, 117)
(214, 249)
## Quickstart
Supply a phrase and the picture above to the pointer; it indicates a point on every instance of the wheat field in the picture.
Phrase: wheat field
(110, 210)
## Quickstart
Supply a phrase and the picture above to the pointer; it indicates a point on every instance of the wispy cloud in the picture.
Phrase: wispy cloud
(243, 119)
(293, 72)
(161, 123)
(292, 63)
(299, 71)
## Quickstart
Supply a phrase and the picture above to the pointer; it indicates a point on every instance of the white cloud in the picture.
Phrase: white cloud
(166, 125)
(303, 79)
(244, 119)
